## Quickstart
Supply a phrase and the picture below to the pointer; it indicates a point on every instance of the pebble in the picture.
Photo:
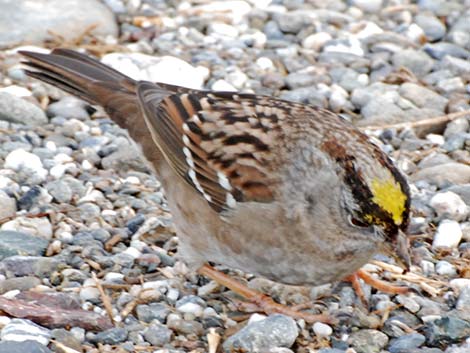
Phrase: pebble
(166, 69)
(112, 336)
(39, 227)
(20, 243)
(21, 330)
(8, 203)
(447, 330)
(463, 301)
(418, 62)
(368, 341)
(433, 28)
(274, 331)
(322, 330)
(157, 334)
(445, 268)
(449, 205)
(405, 343)
(20, 159)
(69, 108)
(448, 234)
(26, 346)
(152, 311)
(20, 111)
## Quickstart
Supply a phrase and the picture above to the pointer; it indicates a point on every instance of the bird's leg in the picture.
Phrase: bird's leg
(261, 301)
(373, 282)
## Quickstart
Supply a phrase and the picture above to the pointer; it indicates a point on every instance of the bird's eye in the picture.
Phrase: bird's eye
(358, 223)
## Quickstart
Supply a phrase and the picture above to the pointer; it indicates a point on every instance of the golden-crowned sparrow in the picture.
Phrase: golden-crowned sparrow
(284, 190)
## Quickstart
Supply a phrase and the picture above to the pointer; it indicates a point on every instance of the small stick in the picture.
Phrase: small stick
(425, 122)
(104, 298)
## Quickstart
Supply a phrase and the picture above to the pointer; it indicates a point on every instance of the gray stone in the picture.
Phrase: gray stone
(125, 159)
(307, 95)
(406, 342)
(451, 173)
(463, 302)
(157, 334)
(368, 5)
(456, 126)
(441, 49)
(274, 331)
(24, 347)
(447, 330)
(460, 31)
(60, 191)
(186, 327)
(368, 341)
(418, 62)
(432, 27)
(24, 330)
(18, 110)
(67, 339)
(21, 22)
(111, 336)
(19, 283)
(152, 311)
(422, 97)
(456, 65)
(68, 107)
(19, 243)
(8, 205)
(16, 266)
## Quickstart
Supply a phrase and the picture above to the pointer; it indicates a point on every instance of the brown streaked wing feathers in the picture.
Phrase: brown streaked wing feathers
(166, 119)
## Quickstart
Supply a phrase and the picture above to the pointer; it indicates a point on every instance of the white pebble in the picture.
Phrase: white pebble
(4, 320)
(457, 284)
(427, 267)
(322, 330)
(450, 205)
(40, 227)
(255, 318)
(448, 234)
(445, 268)
(316, 41)
(173, 294)
(222, 85)
(191, 308)
(114, 277)
(436, 139)
(86, 165)
(19, 159)
(133, 252)
(265, 63)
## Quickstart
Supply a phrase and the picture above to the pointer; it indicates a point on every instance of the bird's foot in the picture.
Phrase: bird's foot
(259, 301)
(373, 282)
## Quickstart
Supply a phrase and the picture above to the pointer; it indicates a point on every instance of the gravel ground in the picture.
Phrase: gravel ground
(88, 253)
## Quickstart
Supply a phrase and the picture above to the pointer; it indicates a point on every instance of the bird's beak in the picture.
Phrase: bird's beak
(399, 249)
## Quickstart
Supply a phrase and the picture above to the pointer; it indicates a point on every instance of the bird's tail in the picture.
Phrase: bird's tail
(89, 79)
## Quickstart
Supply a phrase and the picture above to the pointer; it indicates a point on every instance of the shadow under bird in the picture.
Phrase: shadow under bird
(283, 190)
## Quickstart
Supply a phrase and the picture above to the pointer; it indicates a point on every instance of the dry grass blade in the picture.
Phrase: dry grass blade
(388, 267)
(420, 123)
(104, 297)
(63, 348)
(431, 286)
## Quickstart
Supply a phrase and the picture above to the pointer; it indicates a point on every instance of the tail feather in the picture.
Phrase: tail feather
(89, 79)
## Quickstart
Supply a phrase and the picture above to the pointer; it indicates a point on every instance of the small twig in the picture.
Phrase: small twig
(104, 298)
(63, 348)
(420, 123)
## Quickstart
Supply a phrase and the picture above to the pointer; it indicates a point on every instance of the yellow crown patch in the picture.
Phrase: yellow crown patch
(390, 197)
